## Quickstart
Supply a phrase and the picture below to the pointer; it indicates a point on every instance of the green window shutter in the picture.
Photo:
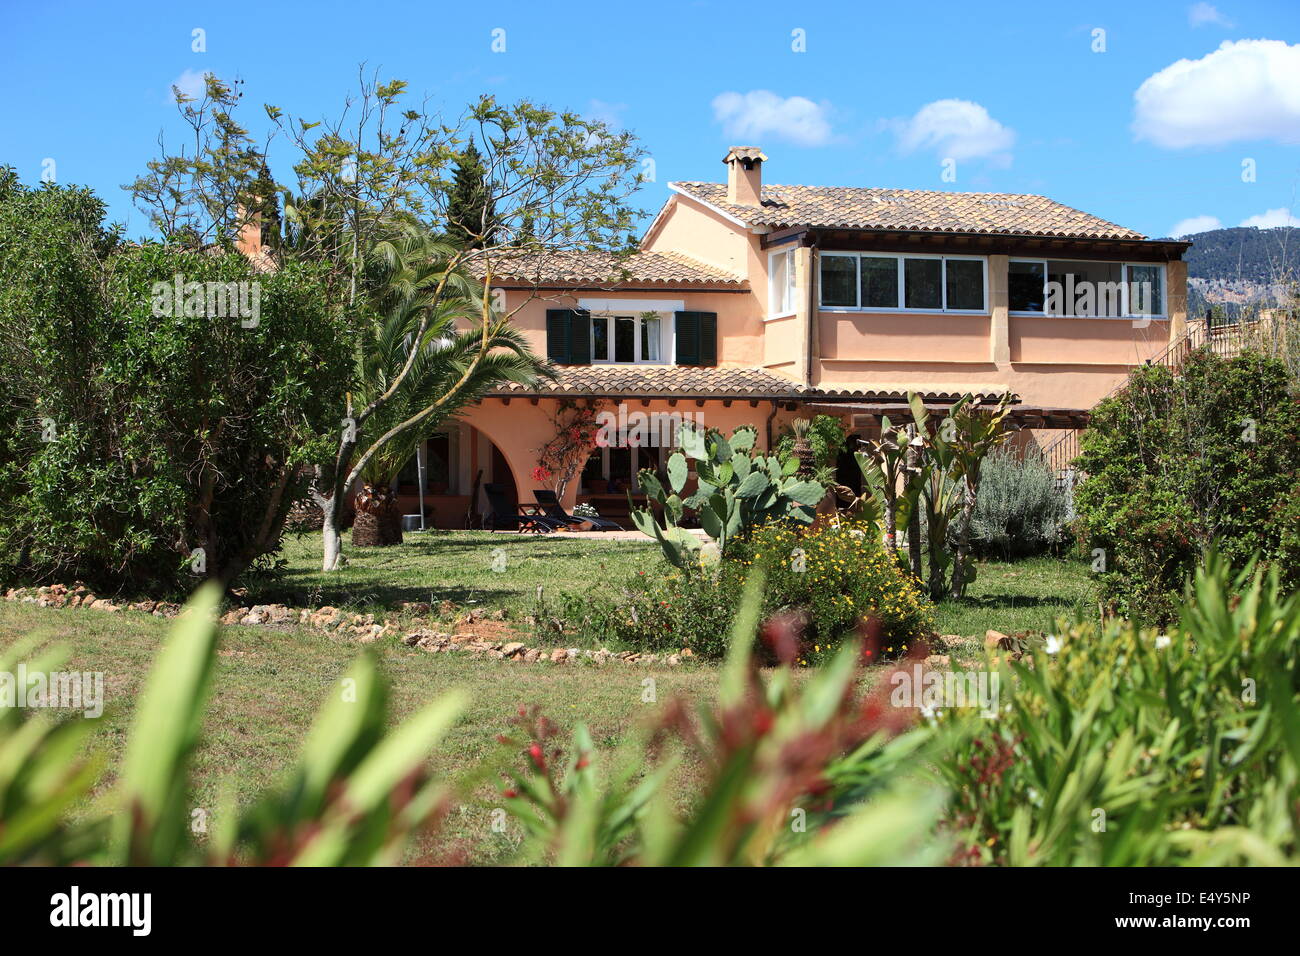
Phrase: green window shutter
(568, 336)
(697, 338)
(580, 337)
(688, 337)
(557, 335)
(708, 338)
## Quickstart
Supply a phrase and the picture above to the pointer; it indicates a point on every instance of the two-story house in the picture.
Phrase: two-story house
(755, 303)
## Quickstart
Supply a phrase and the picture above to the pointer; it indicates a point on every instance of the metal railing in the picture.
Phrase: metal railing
(1223, 340)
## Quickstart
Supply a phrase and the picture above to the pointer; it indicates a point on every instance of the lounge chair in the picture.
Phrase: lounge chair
(551, 505)
(502, 516)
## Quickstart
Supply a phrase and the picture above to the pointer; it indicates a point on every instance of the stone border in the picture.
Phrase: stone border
(362, 628)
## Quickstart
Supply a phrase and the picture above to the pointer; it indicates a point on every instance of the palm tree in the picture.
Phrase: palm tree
(402, 272)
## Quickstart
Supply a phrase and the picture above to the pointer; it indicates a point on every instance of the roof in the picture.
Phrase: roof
(605, 269)
(910, 210)
(682, 381)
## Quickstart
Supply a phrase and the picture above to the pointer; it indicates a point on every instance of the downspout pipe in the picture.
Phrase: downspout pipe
(812, 309)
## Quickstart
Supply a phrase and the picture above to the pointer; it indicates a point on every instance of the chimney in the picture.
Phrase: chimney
(249, 239)
(744, 175)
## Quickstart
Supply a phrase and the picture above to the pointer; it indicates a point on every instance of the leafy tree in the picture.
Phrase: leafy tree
(383, 165)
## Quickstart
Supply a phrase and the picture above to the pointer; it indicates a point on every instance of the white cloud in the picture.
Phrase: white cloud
(759, 114)
(1244, 90)
(611, 114)
(1271, 218)
(956, 129)
(1203, 14)
(191, 83)
(1194, 224)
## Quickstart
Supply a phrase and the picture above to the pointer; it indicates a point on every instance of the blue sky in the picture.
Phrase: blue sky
(1021, 97)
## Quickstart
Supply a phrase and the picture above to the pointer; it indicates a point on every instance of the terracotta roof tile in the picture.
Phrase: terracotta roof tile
(911, 210)
(602, 269)
(682, 381)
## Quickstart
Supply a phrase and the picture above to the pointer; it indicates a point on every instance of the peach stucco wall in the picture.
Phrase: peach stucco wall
(520, 428)
(740, 328)
(898, 337)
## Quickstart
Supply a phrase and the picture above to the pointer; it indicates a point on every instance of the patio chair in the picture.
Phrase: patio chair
(551, 505)
(502, 516)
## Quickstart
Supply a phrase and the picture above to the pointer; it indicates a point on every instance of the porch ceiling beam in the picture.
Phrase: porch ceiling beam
(1030, 247)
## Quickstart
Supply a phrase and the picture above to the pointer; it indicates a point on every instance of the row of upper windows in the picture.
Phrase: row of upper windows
(887, 282)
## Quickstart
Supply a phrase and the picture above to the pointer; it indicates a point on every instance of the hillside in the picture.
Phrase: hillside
(1241, 265)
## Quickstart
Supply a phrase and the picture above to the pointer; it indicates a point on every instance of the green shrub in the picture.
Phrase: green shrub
(1019, 510)
(1124, 746)
(145, 431)
(832, 576)
(1176, 460)
(661, 611)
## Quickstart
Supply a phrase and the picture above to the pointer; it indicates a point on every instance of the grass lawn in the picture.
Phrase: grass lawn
(458, 566)
(1010, 596)
(269, 683)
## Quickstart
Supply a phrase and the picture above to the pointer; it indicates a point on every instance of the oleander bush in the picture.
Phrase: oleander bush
(1123, 745)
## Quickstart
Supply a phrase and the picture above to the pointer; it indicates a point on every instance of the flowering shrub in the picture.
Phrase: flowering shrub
(559, 460)
(836, 575)
(832, 576)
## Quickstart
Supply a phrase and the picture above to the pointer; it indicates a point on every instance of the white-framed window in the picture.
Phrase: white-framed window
(626, 340)
(1086, 288)
(903, 282)
(780, 283)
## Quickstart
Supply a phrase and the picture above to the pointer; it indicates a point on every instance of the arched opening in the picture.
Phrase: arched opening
(447, 476)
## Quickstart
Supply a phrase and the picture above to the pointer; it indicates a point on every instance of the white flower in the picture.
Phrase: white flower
(1053, 644)
(1163, 641)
